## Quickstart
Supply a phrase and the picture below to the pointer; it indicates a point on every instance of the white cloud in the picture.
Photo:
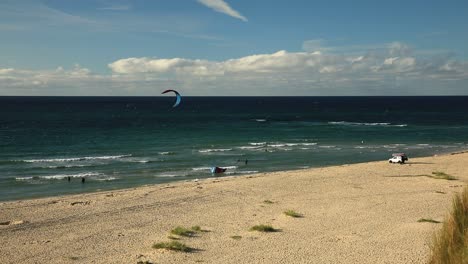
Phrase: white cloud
(6, 71)
(222, 7)
(393, 69)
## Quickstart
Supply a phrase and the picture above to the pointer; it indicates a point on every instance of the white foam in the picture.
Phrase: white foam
(325, 146)
(166, 153)
(309, 144)
(107, 179)
(65, 166)
(257, 143)
(214, 150)
(345, 123)
(201, 168)
(61, 176)
(251, 147)
(167, 175)
(78, 158)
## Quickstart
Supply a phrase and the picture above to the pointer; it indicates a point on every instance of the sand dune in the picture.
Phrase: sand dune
(361, 213)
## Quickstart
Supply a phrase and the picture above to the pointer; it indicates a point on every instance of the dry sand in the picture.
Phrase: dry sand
(362, 213)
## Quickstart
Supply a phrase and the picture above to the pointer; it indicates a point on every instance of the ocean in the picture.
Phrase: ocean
(121, 142)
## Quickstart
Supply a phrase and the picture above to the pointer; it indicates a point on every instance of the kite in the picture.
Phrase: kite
(178, 99)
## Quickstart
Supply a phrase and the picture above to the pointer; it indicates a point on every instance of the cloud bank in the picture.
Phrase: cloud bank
(389, 69)
(222, 7)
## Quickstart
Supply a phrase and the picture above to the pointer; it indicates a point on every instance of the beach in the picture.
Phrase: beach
(359, 213)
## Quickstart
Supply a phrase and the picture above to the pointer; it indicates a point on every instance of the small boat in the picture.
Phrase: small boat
(217, 170)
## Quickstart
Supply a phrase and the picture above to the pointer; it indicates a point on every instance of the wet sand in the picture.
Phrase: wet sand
(361, 213)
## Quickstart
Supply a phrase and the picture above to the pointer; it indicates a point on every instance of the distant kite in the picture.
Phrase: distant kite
(179, 98)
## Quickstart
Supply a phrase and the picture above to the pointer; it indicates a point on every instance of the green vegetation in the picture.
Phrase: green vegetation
(442, 175)
(268, 202)
(74, 258)
(292, 213)
(144, 262)
(449, 244)
(196, 228)
(173, 237)
(263, 228)
(236, 237)
(182, 231)
(173, 245)
(440, 192)
(428, 220)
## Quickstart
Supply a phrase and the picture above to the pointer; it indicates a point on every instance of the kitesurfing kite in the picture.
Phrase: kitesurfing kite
(177, 102)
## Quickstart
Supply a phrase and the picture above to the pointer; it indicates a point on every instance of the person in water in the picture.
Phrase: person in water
(82, 179)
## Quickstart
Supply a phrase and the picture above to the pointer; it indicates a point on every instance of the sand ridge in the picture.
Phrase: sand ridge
(360, 213)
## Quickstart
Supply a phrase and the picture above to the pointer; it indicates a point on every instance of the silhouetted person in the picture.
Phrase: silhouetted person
(69, 178)
(82, 180)
(246, 161)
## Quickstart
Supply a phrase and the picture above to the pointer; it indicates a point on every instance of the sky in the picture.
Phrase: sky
(233, 47)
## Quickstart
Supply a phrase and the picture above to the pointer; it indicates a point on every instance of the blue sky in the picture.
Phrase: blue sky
(227, 47)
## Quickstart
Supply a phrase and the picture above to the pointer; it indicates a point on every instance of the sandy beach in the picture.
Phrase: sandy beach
(360, 213)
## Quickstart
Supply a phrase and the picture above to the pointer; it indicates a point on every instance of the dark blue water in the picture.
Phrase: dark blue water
(119, 142)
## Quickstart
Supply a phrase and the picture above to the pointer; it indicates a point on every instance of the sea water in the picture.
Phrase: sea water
(121, 142)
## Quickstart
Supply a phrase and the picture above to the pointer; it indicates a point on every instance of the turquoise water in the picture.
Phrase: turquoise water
(119, 142)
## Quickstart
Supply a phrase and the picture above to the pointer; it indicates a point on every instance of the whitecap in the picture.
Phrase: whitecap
(166, 153)
(78, 158)
(346, 123)
(257, 143)
(214, 150)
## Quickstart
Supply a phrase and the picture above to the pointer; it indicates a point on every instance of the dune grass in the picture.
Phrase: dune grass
(173, 245)
(196, 228)
(268, 202)
(236, 237)
(182, 231)
(450, 244)
(442, 175)
(263, 228)
(144, 262)
(292, 213)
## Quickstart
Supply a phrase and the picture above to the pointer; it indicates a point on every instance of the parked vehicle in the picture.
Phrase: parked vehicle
(398, 158)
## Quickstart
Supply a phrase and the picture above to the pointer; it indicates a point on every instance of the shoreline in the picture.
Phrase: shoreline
(213, 178)
(363, 212)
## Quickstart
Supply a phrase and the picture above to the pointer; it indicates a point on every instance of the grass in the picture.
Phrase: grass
(236, 237)
(196, 228)
(173, 245)
(182, 231)
(144, 262)
(292, 213)
(440, 192)
(74, 258)
(173, 237)
(442, 175)
(449, 244)
(263, 228)
(428, 220)
(268, 202)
